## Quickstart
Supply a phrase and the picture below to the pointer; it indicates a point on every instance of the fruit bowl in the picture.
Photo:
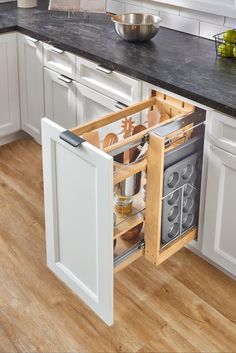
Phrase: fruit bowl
(225, 43)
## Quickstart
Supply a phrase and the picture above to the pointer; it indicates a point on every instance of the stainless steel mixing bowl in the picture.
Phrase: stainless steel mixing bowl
(136, 27)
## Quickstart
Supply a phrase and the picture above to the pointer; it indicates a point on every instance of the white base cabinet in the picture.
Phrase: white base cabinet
(219, 239)
(219, 234)
(9, 85)
(60, 98)
(31, 84)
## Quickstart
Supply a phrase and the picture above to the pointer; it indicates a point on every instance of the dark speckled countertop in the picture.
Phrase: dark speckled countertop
(181, 63)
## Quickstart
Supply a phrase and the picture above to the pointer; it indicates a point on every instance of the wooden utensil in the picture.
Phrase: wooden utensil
(153, 117)
(127, 128)
(110, 139)
(133, 152)
(92, 137)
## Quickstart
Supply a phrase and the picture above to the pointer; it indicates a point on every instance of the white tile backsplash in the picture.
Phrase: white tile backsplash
(189, 21)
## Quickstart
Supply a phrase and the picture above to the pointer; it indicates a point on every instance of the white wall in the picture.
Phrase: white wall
(184, 20)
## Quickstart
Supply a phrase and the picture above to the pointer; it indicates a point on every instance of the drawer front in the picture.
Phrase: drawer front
(59, 60)
(222, 131)
(111, 83)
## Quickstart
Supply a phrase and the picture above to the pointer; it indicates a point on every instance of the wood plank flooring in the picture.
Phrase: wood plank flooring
(185, 305)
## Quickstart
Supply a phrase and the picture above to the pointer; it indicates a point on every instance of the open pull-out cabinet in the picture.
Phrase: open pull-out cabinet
(79, 181)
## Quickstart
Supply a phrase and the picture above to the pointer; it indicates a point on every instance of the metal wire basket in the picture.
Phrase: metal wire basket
(224, 48)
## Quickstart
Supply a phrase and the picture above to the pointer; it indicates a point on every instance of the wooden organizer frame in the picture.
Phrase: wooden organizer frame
(154, 165)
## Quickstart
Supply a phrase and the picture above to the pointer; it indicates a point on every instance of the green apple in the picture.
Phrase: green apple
(230, 36)
(234, 51)
(225, 50)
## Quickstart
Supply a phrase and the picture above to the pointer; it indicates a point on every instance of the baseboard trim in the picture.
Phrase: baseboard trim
(12, 137)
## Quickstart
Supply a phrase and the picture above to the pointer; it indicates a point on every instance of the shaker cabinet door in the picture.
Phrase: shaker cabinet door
(9, 85)
(60, 99)
(78, 185)
(31, 84)
(219, 235)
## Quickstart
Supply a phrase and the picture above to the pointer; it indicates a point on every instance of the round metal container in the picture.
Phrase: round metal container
(136, 27)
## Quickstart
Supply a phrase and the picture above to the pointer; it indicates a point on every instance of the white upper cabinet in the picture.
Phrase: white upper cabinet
(31, 84)
(9, 85)
(60, 98)
(78, 186)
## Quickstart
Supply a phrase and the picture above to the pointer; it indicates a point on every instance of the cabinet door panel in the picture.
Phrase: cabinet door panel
(31, 84)
(60, 99)
(78, 186)
(92, 105)
(219, 237)
(9, 89)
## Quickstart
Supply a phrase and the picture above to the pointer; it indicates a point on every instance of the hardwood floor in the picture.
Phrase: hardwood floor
(185, 305)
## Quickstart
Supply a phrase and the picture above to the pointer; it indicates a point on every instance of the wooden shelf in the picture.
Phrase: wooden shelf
(128, 224)
(124, 171)
(125, 222)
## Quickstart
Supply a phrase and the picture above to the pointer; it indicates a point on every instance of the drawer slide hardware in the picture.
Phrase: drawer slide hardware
(126, 254)
(103, 69)
(71, 138)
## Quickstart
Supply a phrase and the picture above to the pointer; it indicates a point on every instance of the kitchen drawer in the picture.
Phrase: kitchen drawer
(59, 60)
(110, 83)
(79, 184)
(222, 131)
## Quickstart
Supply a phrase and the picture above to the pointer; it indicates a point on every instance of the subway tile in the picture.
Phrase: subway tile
(156, 5)
(202, 16)
(230, 22)
(114, 6)
(180, 23)
(207, 30)
(129, 8)
(140, 9)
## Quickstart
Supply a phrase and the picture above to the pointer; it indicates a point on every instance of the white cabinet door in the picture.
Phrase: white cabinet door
(9, 85)
(78, 189)
(219, 234)
(31, 84)
(60, 99)
(92, 105)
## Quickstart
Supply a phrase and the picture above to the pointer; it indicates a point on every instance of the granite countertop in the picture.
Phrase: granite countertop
(181, 63)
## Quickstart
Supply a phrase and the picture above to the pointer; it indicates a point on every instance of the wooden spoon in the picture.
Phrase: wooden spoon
(153, 117)
(110, 139)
